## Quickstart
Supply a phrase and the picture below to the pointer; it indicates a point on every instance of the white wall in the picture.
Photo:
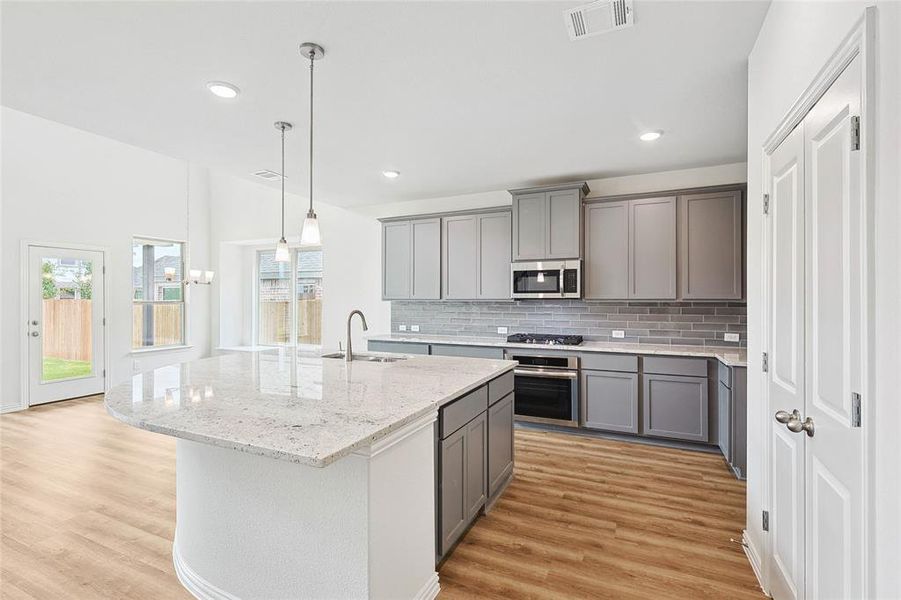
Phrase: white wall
(611, 186)
(64, 185)
(795, 42)
(246, 214)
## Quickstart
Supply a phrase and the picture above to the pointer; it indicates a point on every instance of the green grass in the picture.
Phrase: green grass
(60, 368)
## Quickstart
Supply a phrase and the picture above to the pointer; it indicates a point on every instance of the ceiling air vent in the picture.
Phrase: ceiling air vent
(268, 175)
(598, 17)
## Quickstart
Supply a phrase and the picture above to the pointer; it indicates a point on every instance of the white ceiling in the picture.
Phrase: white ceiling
(459, 96)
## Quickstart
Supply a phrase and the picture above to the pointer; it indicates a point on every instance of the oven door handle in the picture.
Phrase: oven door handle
(547, 374)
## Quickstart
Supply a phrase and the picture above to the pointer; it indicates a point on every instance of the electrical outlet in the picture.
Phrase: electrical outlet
(401, 327)
(414, 327)
(619, 333)
(730, 337)
(502, 330)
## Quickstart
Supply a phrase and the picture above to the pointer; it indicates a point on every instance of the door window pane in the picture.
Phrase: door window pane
(309, 297)
(66, 292)
(274, 289)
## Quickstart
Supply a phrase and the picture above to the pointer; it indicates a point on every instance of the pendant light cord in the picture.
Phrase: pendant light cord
(283, 181)
(312, 57)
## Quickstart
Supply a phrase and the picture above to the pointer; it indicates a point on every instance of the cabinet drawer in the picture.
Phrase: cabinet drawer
(468, 351)
(500, 387)
(398, 347)
(627, 363)
(673, 365)
(725, 374)
(463, 410)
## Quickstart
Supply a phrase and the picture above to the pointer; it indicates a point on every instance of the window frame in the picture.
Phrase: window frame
(153, 240)
(293, 287)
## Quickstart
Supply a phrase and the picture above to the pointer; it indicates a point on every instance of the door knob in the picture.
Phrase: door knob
(787, 417)
(35, 334)
(34, 323)
(797, 426)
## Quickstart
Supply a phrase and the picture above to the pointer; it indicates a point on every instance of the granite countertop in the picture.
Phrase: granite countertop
(291, 405)
(733, 357)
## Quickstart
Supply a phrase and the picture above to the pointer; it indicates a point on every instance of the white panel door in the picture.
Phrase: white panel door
(836, 290)
(785, 375)
(65, 323)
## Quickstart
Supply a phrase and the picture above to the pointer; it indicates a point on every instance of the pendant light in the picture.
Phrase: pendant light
(282, 253)
(310, 236)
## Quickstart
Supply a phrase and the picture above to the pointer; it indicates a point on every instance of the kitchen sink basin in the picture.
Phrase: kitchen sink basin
(366, 357)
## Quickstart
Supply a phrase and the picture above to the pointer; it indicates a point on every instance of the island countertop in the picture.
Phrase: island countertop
(291, 405)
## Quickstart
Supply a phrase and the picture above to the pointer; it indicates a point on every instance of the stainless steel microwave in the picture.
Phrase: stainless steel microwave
(547, 279)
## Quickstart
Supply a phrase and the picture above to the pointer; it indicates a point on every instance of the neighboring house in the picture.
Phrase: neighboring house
(163, 288)
(275, 278)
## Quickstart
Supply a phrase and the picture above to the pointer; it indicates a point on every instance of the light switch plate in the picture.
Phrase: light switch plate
(136, 366)
(730, 337)
(502, 330)
(401, 327)
(619, 333)
(414, 327)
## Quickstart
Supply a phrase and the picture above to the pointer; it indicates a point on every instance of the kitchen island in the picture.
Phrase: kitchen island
(303, 477)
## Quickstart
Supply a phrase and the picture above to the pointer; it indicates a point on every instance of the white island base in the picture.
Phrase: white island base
(251, 526)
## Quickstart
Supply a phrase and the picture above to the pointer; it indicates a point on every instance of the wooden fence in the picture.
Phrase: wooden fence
(167, 324)
(67, 329)
(275, 322)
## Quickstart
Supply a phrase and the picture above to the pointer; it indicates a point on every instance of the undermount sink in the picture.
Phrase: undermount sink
(366, 357)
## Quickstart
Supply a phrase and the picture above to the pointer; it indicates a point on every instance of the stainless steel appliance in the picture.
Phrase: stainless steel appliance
(547, 279)
(546, 388)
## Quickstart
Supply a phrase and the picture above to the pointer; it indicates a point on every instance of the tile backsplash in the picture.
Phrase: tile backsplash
(692, 323)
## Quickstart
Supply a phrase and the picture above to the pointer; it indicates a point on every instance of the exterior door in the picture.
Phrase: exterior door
(785, 373)
(836, 341)
(65, 323)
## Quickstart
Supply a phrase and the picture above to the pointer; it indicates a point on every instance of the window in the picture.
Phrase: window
(289, 307)
(158, 313)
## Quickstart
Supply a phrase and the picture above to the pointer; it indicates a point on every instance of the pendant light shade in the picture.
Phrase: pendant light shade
(309, 235)
(282, 253)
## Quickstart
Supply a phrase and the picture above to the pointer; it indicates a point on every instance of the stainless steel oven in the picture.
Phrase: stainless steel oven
(547, 388)
(547, 279)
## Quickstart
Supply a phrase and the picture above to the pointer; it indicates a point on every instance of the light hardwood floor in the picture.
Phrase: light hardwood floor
(87, 510)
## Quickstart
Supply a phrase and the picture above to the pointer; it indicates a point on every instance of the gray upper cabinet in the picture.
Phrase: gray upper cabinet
(411, 259)
(606, 272)
(494, 233)
(547, 222)
(530, 226)
(652, 245)
(476, 256)
(426, 259)
(460, 257)
(710, 246)
(564, 230)
(396, 260)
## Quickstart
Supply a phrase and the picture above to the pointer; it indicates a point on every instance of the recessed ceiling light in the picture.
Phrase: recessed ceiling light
(650, 136)
(391, 174)
(223, 89)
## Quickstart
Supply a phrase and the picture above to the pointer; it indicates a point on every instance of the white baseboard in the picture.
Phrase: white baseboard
(430, 590)
(753, 558)
(198, 586)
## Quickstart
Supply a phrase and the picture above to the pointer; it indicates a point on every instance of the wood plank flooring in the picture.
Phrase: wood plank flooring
(87, 510)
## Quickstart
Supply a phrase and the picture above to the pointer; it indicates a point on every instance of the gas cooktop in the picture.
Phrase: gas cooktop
(546, 339)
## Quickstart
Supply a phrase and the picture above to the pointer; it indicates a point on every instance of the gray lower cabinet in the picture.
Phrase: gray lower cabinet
(500, 444)
(476, 488)
(397, 347)
(453, 514)
(711, 246)
(739, 418)
(675, 406)
(610, 401)
(724, 403)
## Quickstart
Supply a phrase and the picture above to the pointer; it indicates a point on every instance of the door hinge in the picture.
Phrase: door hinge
(855, 133)
(855, 410)
(765, 362)
(766, 204)
(104, 373)
(104, 321)
(766, 520)
(103, 269)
